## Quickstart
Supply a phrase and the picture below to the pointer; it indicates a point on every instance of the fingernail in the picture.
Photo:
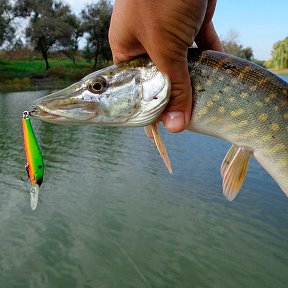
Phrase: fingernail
(174, 121)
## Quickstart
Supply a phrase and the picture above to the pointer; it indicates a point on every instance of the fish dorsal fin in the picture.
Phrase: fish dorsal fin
(228, 158)
(234, 173)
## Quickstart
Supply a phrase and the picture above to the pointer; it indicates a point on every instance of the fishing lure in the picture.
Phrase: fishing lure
(35, 164)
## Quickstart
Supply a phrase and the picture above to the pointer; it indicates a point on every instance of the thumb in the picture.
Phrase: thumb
(176, 115)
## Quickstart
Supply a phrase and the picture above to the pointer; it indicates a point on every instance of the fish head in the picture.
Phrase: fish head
(132, 93)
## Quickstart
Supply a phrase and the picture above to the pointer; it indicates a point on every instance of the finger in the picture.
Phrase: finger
(207, 38)
(177, 114)
(123, 42)
(173, 62)
(122, 53)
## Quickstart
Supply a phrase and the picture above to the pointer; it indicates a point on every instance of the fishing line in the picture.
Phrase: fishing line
(132, 263)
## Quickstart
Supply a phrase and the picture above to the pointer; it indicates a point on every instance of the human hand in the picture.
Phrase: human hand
(165, 29)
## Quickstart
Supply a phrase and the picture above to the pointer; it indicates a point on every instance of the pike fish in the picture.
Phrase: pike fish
(233, 99)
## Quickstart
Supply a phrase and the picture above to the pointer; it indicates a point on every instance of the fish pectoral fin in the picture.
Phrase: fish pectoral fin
(228, 158)
(153, 134)
(235, 172)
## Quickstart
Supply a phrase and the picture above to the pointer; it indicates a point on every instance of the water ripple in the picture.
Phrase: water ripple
(109, 207)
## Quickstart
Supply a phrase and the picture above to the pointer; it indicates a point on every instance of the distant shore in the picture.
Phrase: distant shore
(28, 74)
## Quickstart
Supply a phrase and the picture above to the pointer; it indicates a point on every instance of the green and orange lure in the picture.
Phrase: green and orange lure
(35, 164)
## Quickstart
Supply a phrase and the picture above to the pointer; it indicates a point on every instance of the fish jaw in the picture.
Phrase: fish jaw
(129, 94)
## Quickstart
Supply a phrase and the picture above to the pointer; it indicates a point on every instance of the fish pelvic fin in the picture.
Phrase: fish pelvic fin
(148, 131)
(233, 170)
(228, 159)
(153, 134)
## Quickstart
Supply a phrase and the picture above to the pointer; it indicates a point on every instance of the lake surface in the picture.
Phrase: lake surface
(284, 76)
(112, 216)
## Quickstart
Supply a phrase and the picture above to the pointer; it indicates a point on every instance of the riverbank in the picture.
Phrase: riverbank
(30, 74)
(26, 74)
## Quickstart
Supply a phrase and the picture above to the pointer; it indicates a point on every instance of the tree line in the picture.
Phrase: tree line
(51, 26)
(280, 54)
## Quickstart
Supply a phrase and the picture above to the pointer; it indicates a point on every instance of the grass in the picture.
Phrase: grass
(21, 74)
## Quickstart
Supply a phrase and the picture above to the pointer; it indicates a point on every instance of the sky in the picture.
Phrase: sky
(259, 23)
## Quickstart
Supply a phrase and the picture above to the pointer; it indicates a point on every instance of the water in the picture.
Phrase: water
(285, 77)
(111, 215)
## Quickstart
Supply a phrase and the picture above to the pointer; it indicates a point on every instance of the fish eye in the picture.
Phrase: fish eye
(98, 85)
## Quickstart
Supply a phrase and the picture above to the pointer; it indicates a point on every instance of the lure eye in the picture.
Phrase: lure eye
(98, 85)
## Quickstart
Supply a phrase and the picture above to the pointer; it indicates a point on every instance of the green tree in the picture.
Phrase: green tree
(96, 21)
(280, 54)
(231, 46)
(70, 45)
(6, 28)
(49, 27)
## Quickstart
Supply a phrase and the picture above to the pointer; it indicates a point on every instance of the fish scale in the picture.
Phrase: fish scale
(254, 106)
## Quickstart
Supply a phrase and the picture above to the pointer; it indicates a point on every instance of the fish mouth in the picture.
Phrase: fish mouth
(64, 107)
(38, 112)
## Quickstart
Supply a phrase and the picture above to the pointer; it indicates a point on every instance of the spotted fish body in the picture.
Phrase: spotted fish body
(233, 99)
(244, 104)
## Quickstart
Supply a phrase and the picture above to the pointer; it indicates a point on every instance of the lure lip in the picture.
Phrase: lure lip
(34, 196)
